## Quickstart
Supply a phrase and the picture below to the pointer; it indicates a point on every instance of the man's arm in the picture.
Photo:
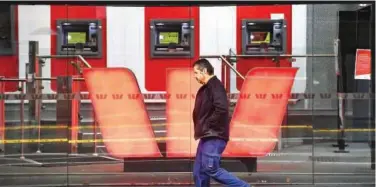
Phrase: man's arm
(220, 104)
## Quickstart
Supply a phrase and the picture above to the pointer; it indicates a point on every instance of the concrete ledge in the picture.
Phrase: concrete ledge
(186, 165)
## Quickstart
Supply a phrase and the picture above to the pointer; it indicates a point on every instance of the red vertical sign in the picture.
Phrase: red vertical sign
(363, 64)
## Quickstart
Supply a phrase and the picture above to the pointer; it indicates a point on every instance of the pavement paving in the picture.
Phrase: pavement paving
(303, 165)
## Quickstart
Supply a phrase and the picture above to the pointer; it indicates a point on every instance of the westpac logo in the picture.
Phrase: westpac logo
(184, 96)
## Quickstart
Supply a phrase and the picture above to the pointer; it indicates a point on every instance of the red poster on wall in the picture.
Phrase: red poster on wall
(363, 64)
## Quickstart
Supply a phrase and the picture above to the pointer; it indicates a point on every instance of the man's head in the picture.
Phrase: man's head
(203, 71)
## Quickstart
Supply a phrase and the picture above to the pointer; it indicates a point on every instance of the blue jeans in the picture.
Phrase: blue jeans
(207, 165)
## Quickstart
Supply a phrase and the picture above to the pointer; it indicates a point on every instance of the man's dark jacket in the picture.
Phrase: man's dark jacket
(210, 114)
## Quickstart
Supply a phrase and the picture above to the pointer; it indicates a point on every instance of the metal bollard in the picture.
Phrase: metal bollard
(22, 118)
(75, 115)
(34, 87)
(95, 134)
(67, 111)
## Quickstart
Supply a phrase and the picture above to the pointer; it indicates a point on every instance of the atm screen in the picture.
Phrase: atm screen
(168, 37)
(259, 37)
(76, 37)
(263, 37)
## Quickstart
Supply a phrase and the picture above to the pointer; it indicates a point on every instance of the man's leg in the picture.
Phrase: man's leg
(211, 155)
(200, 178)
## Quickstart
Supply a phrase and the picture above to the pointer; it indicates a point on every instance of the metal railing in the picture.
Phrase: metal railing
(67, 56)
(232, 67)
(272, 55)
(225, 57)
(36, 78)
(233, 56)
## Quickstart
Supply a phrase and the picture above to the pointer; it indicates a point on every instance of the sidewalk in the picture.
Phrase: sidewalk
(318, 158)
(296, 166)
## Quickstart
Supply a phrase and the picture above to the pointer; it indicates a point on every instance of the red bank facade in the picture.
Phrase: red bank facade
(153, 43)
(141, 39)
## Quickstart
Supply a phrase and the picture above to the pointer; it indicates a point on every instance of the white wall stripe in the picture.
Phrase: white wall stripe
(299, 46)
(126, 40)
(217, 32)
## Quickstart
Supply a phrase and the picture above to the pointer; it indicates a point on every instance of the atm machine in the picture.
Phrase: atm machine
(263, 37)
(171, 38)
(79, 37)
(170, 43)
(262, 41)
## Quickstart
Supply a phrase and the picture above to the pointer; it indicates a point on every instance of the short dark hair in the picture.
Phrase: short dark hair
(204, 63)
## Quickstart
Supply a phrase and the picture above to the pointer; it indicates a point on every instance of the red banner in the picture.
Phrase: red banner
(256, 123)
(363, 64)
(180, 141)
(124, 123)
(127, 131)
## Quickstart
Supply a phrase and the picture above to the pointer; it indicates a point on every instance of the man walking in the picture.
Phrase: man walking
(211, 124)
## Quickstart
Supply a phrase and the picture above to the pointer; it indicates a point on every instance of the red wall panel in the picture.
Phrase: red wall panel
(10, 64)
(260, 12)
(155, 69)
(62, 66)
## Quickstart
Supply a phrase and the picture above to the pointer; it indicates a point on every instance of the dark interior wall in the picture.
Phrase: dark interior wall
(355, 32)
(347, 35)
